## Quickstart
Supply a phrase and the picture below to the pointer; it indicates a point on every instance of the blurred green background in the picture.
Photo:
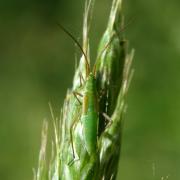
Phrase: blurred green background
(37, 66)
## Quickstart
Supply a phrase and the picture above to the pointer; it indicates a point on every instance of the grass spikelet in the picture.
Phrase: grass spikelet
(42, 167)
(87, 135)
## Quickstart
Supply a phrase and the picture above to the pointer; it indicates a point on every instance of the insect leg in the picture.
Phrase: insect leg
(108, 119)
(73, 125)
(81, 79)
(71, 139)
(76, 94)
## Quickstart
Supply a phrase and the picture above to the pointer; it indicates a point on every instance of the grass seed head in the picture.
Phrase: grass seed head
(76, 154)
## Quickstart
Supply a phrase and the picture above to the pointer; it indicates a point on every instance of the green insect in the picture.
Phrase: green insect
(90, 121)
(90, 116)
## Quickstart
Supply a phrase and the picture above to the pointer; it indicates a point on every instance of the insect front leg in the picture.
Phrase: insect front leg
(76, 94)
(81, 79)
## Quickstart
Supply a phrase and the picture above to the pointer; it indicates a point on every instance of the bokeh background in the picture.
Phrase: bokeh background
(37, 66)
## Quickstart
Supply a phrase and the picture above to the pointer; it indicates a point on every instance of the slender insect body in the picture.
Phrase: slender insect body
(84, 144)
(90, 115)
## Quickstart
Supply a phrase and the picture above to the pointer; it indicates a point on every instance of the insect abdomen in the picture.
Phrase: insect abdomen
(90, 126)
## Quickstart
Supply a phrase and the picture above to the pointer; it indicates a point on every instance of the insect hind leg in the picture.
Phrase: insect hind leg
(73, 125)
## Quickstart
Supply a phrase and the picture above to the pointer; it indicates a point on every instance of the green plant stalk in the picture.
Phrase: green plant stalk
(110, 61)
(76, 154)
(110, 141)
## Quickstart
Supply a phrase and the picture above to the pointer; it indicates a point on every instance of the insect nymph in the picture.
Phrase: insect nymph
(89, 117)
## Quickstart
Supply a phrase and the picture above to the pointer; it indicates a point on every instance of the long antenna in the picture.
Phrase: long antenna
(77, 43)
